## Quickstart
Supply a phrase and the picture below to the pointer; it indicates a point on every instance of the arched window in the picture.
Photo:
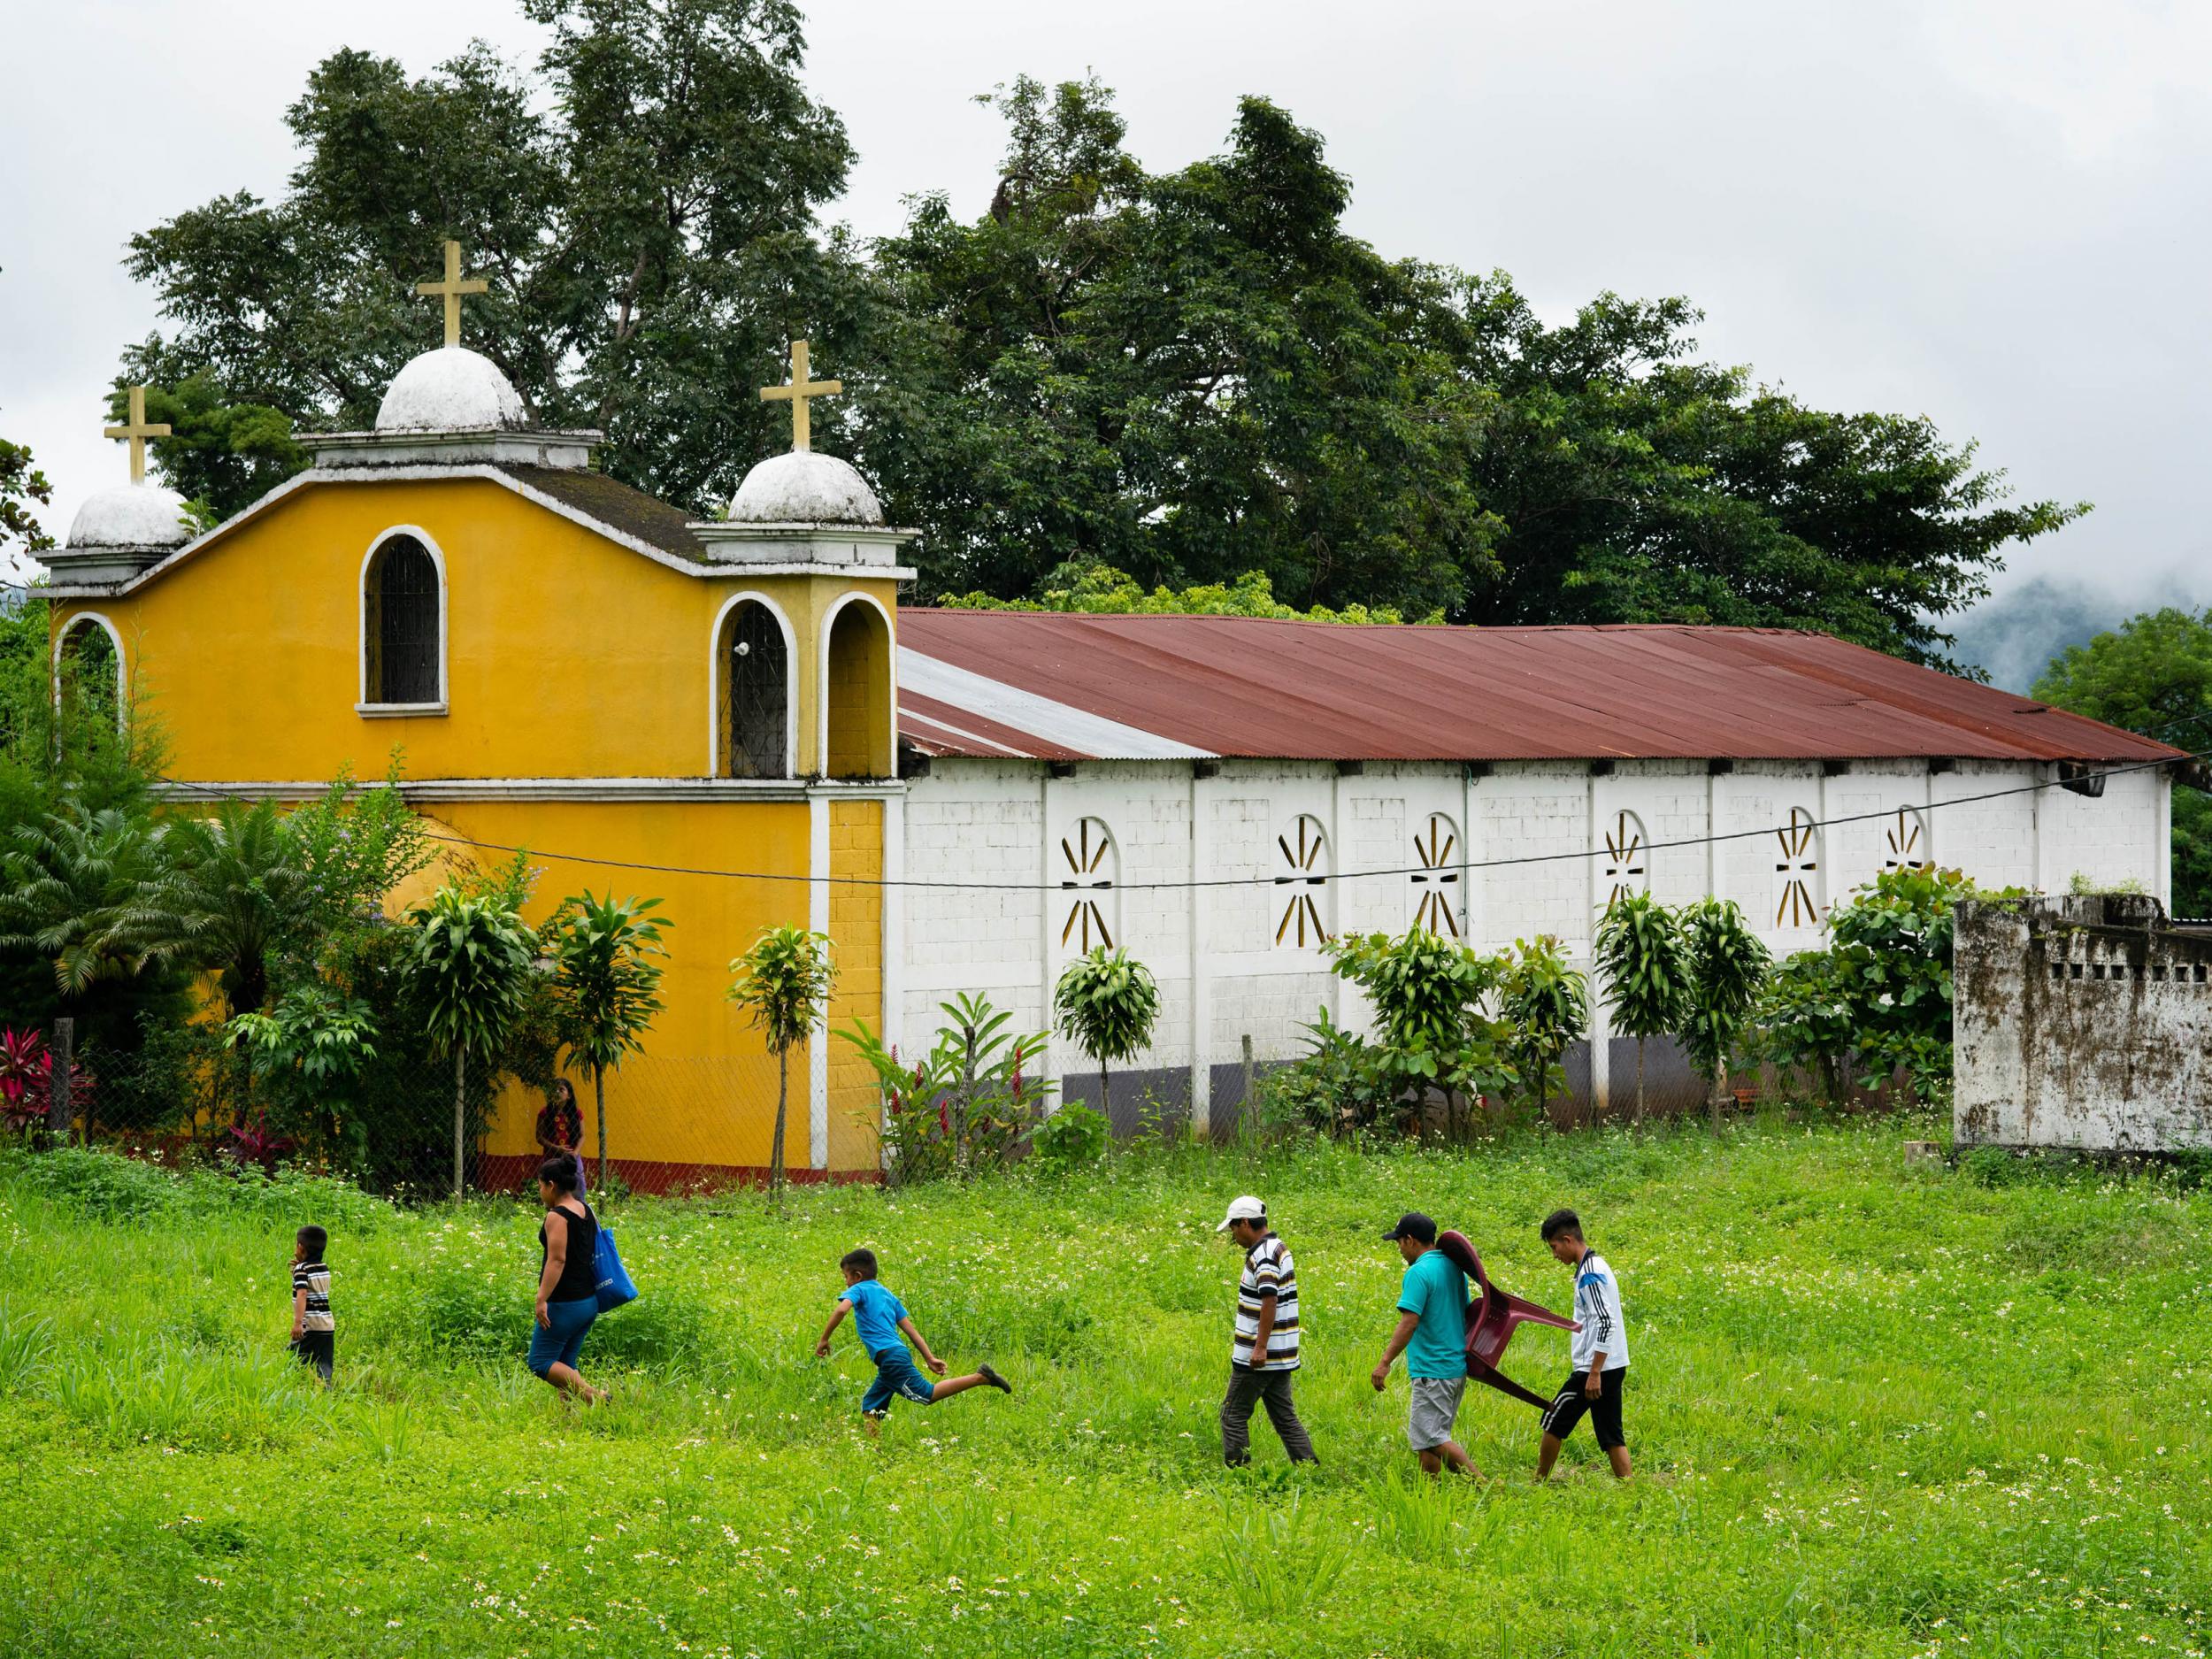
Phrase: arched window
(1908, 844)
(1435, 884)
(1303, 872)
(1627, 867)
(857, 692)
(1090, 867)
(753, 662)
(1797, 871)
(88, 668)
(402, 626)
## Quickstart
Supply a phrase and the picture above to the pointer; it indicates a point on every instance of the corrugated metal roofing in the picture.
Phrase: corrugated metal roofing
(1052, 686)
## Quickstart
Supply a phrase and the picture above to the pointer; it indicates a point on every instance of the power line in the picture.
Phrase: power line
(1242, 881)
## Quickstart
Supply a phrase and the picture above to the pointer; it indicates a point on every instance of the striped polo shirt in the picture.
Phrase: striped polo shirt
(1267, 1267)
(314, 1278)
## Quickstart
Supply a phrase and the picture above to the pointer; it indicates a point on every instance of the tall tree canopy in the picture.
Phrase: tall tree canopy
(644, 205)
(2154, 674)
(1186, 376)
(1182, 381)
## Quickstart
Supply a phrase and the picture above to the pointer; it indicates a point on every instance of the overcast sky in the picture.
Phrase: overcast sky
(1994, 212)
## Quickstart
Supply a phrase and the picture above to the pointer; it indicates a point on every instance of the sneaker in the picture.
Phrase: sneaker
(994, 1379)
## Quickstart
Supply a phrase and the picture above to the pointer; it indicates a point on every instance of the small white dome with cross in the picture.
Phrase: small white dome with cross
(804, 486)
(450, 390)
(139, 515)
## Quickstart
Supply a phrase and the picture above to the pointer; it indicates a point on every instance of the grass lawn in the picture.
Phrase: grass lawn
(1875, 1411)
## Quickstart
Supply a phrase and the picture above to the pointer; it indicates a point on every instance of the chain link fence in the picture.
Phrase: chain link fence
(671, 1124)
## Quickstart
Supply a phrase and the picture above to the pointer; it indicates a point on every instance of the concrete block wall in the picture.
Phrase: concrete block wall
(2082, 1023)
(1214, 950)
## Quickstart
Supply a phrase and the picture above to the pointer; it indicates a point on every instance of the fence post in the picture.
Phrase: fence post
(1245, 1125)
(61, 1099)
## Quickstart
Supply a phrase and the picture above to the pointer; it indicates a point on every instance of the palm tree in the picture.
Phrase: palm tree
(1105, 1003)
(1643, 959)
(603, 984)
(784, 982)
(1727, 967)
(472, 965)
(83, 889)
(239, 893)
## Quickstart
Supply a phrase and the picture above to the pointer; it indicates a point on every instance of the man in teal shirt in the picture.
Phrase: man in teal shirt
(1432, 1333)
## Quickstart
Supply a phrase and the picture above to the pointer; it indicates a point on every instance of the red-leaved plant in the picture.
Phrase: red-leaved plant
(255, 1144)
(24, 1066)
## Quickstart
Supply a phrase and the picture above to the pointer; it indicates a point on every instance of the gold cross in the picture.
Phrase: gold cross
(451, 289)
(797, 395)
(136, 431)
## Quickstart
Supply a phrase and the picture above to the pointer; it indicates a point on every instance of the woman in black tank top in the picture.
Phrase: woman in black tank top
(568, 1287)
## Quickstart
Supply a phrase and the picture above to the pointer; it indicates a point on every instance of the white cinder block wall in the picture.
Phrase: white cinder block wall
(1529, 849)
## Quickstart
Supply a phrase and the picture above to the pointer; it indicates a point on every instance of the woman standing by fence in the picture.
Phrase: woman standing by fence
(561, 1129)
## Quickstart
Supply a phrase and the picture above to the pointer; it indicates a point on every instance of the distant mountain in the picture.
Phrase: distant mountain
(2013, 635)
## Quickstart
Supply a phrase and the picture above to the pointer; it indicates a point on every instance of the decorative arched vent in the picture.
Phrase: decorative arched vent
(1627, 868)
(1909, 841)
(1797, 871)
(756, 696)
(1436, 884)
(1304, 872)
(1090, 867)
(402, 625)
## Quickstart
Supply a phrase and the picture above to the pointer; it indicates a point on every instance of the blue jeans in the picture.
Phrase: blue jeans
(896, 1375)
(561, 1339)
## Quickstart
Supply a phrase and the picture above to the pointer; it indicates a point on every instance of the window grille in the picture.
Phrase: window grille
(1796, 871)
(1304, 871)
(1626, 870)
(755, 668)
(1436, 884)
(1908, 837)
(401, 624)
(1089, 866)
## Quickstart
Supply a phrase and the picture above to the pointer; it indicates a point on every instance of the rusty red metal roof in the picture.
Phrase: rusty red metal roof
(1048, 685)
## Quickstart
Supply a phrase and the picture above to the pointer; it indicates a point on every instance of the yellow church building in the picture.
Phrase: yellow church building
(570, 666)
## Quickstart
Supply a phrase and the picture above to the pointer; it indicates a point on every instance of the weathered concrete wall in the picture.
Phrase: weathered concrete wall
(2084, 1023)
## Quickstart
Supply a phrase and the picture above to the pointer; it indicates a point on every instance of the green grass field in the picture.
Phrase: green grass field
(1875, 1410)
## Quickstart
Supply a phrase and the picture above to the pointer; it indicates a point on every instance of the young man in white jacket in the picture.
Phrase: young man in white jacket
(1601, 1352)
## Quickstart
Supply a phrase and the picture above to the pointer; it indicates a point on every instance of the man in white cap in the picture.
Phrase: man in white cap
(1264, 1357)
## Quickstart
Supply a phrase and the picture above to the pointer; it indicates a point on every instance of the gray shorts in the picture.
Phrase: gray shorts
(1432, 1410)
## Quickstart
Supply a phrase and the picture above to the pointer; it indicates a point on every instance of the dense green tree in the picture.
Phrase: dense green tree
(1189, 377)
(1186, 376)
(2154, 674)
(1639, 484)
(643, 207)
(23, 489)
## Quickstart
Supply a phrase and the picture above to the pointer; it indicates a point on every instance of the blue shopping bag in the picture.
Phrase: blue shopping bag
(610, 1280)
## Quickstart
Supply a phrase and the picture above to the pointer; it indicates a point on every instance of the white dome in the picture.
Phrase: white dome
(450, 390)
(131, 515)
(801, 487)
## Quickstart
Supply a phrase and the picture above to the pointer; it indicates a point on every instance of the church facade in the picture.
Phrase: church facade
(735, 717)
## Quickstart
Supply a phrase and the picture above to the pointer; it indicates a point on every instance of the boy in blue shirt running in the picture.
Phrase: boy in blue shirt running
(877, 1318)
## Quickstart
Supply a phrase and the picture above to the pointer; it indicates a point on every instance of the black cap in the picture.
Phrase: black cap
(1413, 1225)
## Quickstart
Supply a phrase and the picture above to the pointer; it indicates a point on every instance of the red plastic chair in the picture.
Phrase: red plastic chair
(1492, 1315)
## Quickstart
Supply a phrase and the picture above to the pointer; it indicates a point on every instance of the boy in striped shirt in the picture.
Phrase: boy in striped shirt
(1601, 1352)
(1263, 1352)
(314, 1333)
